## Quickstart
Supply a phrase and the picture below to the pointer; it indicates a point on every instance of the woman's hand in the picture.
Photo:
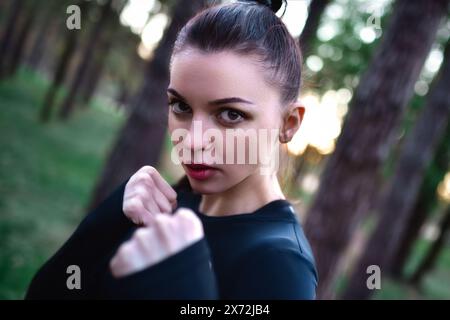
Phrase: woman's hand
(167, 235)
(147, 194)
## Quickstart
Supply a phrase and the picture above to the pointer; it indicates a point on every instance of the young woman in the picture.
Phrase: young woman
(226, 230)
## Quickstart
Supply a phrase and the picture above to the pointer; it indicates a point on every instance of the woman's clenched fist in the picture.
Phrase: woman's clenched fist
(165, 236)
(147, 194)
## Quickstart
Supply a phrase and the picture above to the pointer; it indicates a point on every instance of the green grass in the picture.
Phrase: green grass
(46, 175)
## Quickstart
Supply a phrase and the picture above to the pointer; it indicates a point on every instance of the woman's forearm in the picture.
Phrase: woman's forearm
(100, 231)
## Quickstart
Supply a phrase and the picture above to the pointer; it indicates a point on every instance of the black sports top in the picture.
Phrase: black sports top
(258, 255)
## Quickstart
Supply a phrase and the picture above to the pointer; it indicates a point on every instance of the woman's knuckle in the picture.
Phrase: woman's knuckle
(141, 192)
(150, 183)
(151, 170)
(125, 250)
(142, 177)
(141, 234)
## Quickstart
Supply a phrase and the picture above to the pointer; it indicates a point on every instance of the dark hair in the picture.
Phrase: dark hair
(248, 28)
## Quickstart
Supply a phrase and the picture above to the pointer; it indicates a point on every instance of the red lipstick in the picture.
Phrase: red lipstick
(199, 171)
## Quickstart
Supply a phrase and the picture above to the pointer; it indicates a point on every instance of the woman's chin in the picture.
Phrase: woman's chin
(205, 187)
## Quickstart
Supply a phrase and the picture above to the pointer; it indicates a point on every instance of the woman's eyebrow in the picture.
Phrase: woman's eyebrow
(175, 93)
(213, 102)
(229, 100)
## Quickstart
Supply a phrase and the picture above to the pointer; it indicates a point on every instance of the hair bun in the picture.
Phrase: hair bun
(274, 5)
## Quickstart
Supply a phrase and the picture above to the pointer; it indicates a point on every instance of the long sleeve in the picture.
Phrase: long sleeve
(99, 232)
(187, 274)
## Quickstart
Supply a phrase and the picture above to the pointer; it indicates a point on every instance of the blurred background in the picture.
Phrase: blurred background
(83, 106)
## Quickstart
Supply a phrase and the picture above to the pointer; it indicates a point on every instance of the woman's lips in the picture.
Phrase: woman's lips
(199, 171)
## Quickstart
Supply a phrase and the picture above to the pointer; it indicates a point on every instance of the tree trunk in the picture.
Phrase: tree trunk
(123, 94)
(69, 101)
(41, 36)
(60, 74)
(350, 181)
(94, 74)
(92, 81)
(424, 205)
(23, 35)
(433, 253)
(7, 38)
(315, 11)
(141, 139)
(61, 69)
(419, 215)
(396, 206)
(5, 4)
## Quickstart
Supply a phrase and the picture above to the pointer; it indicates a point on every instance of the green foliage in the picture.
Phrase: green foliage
(345, 56)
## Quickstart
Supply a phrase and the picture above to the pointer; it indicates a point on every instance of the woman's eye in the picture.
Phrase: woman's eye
(179, 107)
(231, 116)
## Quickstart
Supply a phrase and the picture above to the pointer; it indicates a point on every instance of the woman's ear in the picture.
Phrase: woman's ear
(292, 121)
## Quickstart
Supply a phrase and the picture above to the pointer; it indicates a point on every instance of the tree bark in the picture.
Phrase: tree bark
(92, 80)
(433, 253)
(7, 39)
(95, 71)
(23, 36)
(396, 206)
(315, 11)
(61, 69)
(69, 101)
(141, 139)
(60, 74)
(41, 36)
(350, 181)
(424, 205)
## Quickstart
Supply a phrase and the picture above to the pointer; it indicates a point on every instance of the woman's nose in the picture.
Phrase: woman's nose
(196, 140)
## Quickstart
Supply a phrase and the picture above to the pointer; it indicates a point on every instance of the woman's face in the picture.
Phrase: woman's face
(199, 108)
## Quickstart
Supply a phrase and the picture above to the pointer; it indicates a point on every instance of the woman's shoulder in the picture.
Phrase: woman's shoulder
(283, 246)
(276, 269)
(280, 251)
(284, 238)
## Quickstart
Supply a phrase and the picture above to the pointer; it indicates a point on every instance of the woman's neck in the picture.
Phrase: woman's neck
(247, 196)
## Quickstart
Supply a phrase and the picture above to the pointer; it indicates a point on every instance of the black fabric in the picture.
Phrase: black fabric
(258, 255)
